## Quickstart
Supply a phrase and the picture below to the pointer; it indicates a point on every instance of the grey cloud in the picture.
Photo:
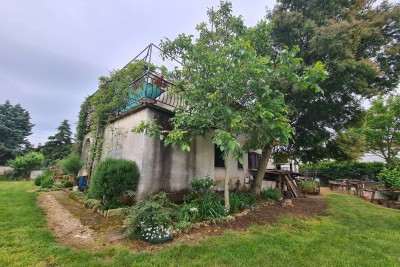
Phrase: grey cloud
(52, 52)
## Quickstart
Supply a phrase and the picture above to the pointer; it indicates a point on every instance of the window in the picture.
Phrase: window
(254, 160)
(218, 157)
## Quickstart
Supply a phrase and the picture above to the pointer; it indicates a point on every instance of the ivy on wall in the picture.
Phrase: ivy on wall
(99, 109)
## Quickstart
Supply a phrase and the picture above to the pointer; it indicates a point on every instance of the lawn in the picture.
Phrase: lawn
(353, 233)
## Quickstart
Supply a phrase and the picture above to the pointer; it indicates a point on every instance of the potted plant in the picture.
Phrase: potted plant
(309, 187)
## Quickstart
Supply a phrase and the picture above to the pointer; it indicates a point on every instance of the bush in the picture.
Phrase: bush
(23, 165)
(341, 170)
(58, 184)
(72, 164)
(390, 177)
(112, 178)
(189, 213)
(151, 219)
(39, 179)
(241, 201)
(68, 184)
(271, 194)
(209, 204)
(47, 182)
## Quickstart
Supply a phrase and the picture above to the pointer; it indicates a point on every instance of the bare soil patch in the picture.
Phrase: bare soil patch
(77, 227)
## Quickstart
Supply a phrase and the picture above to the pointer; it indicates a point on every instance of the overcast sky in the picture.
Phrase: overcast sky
(52, 52)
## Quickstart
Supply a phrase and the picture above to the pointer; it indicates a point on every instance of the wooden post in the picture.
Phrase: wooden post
(372, 196)
(279, 184)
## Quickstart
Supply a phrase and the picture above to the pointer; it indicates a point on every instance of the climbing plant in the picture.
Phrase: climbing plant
(99, 109)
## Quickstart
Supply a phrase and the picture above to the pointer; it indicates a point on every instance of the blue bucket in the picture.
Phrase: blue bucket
(82, 183)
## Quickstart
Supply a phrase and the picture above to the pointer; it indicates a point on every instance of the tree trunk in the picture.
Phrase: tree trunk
(226, 182)
(266, 154)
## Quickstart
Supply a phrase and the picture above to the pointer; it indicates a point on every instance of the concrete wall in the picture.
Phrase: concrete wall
(164, 168)
(121, 142)
(167, 168)
(161, 168)
(5, 169)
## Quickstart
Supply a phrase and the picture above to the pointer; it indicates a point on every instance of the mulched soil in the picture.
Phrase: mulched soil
(108, 232)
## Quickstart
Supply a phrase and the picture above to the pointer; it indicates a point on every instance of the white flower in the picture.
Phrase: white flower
(194, 210)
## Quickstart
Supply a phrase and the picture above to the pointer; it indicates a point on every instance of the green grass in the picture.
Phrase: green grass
(354, 233)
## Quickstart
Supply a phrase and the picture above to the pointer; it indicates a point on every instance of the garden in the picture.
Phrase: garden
(155, 219)
(370, 231)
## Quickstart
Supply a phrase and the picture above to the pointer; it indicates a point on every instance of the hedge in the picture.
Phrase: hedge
(326, 171)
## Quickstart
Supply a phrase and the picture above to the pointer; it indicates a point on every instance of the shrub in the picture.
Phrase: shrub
(200, 186)
(151, 219)
(189, 213)
(156, 234)
(209, 204)
(242, 200)
(68, 184)
(23, 165)
(57, 184)
(47, 182)
(72, 164)
(112, 178)
(44, 174)
(390, 177)
(341, 170)
(271, 194)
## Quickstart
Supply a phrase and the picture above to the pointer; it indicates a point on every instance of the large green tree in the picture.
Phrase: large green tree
(348, 145)
(15, 127)
(381, 127)
(59, 145)
(230, 90)
(359, 43)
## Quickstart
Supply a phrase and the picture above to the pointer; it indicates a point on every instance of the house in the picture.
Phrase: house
(163, 168)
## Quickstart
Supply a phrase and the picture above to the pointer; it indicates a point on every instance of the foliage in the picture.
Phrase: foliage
(112, 178)
(156, 234)
(271, 194)
(189, 213)
(308, 184)
(100, 108)
(199, 187)
(382, 127)
(359, 43)
(23, 165)
(150, 215)
(390, 177)
(241, 201)
(41, 176)
(15, 127)
(72, 164)
(182, 224)
(340, 170)
(47, 182)
(209, 204)
(59, 145)
(348, 145)
(68, 184)
(240, 88)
